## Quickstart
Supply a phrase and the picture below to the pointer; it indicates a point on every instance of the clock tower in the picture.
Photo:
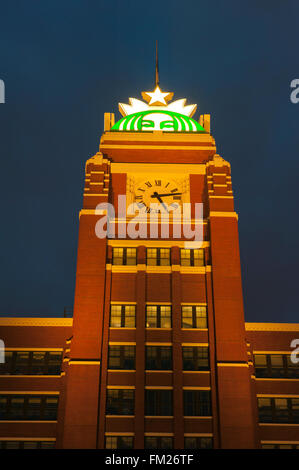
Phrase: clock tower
(158, 356)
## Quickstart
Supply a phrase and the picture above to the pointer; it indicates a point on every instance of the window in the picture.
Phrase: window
(194, 316)
(275, 366)
(280, 446)
(28, 407)
(120, 402)
(195, 358)
(158, 256)
(124, 256)
(158, 403)
(31, 363)
(192, 257)
(197, 403)
(158, 316)
(119, 442)
(158, 442)
(158, 357)
(278, 410)
(121, 357)
(122, 316)
(27, 444)
(195, 442)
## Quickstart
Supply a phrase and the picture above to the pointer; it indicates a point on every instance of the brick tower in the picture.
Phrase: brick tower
(158, 355)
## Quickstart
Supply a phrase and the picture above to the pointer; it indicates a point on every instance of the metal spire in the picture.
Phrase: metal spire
(157, 65)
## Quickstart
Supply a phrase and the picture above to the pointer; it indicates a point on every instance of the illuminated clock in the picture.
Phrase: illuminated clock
(164, 193)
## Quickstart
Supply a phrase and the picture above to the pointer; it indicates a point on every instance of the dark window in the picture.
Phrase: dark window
(119, 442)
(195, 442)
(158, 442)
(158, 316)
(192, 257)
(280, 446)
(122, 316)
(195, 358)
(158, 357)
(31, 363)
(278, 410)
(121, 357)
(194, 316)
(124, 256)
(197, 403)
(158, 256)
(28, 407)
(120, 402)
(27, 444)
(158, 402)
(275, 366)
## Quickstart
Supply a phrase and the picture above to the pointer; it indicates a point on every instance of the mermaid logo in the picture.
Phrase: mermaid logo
(154, 120)
(157, 113)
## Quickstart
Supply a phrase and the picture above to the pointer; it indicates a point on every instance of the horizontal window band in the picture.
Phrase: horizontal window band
(158, 387)
(39, 321)
(279, 442)
(25, 439)
(158, 344)
(198, 417)
(121, 370)
(194, 304)
(120, 343)
(157, 434)
(158, 417)
(112, 434)
(276, 395)
(35, 376)
(291, 327)
(232, 364)
(198, 434)
(84, 363)
(158, 329)
(119, 302)
(42, 349)
(120, 387)
(26, 392)
(149, 371)
(288, 353)
(161, 243)
(159, 303)
(196, 329)
(279, 424)
(123, 268)
(282, 379)
(121, 328)
(120, 416)
(20, 421)
(196, 371)
(194, 344)
(196, 388)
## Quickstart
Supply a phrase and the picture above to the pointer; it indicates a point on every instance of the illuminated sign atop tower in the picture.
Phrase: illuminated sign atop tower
(155, 113)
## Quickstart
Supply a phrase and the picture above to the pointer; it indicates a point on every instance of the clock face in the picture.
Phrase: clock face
(158, 195)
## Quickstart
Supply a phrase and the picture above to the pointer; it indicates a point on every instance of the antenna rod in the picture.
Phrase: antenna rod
(157, 65)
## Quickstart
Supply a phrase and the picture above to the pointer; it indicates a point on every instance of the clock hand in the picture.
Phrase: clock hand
(157, 196)
(166, 194)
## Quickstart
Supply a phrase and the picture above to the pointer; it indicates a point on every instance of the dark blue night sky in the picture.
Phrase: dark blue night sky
(65, 63)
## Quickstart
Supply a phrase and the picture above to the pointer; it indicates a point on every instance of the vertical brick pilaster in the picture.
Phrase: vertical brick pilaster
(140, 350)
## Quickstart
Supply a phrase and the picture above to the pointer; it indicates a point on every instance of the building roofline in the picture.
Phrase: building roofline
(271, 326)
(30, 321)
